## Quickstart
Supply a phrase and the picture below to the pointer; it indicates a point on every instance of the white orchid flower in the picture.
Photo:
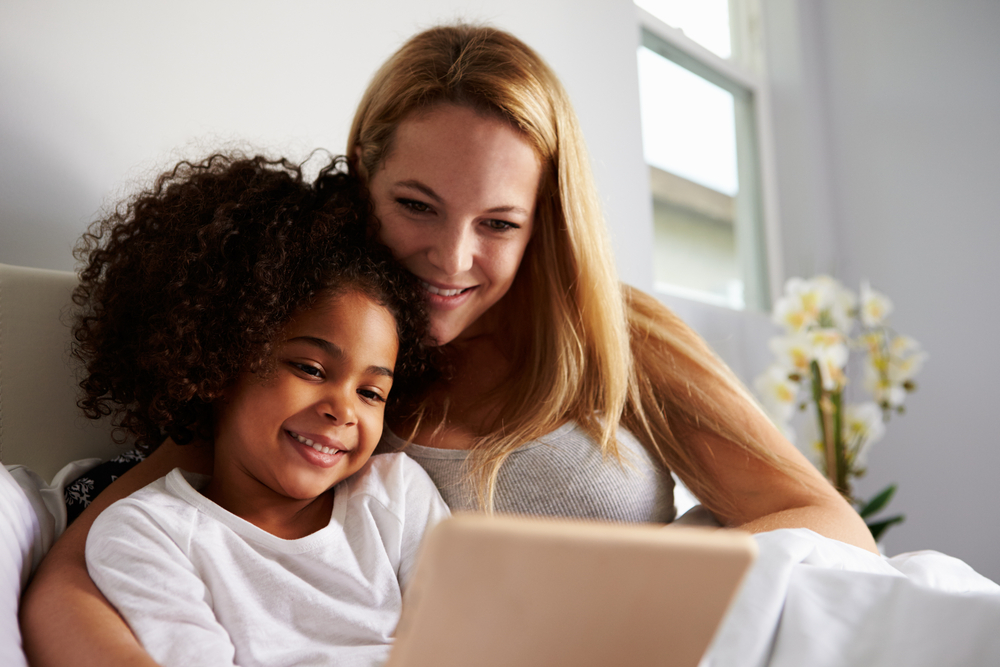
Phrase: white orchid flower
(820, 302)
(830, 351)
(863, 427)
(875, 306)
(906, 359)
(891, 368)
(837, 303)
(827, 347)
(800, 307)
(794, 353)
(823, 322)
(778, 394)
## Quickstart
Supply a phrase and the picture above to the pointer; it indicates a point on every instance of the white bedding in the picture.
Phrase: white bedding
(812, 601)
(32, 516)
(808, 601)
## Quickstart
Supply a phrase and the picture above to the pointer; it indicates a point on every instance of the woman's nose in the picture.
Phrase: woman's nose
(452, 249)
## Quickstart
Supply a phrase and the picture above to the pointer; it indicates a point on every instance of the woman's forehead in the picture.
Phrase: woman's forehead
(421, 118)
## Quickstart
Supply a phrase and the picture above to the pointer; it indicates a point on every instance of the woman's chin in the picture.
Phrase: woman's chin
(444, 330)
(439, 337)
(444, 333)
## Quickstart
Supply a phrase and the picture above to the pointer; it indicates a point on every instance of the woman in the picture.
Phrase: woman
(480, 181)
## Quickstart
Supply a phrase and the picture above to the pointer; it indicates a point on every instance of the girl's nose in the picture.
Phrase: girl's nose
(338, 406)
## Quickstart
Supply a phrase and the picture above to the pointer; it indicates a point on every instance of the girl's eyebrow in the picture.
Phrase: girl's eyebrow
(337, 353)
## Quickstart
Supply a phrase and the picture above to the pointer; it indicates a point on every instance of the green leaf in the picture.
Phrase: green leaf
(878, 502)
(880, 527)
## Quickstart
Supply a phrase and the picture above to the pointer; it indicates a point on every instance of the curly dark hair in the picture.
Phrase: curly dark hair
(187, 285)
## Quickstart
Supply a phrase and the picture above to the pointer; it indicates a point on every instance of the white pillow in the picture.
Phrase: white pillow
(32, 516)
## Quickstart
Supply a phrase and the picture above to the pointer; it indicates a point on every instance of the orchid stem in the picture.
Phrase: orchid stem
(828, 413)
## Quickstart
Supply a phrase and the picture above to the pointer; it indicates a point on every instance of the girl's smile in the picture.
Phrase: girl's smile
(315, 417)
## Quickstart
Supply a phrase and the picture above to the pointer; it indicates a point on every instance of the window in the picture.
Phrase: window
(701, 106)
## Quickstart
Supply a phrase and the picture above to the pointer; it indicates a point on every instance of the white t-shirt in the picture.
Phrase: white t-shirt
(200, 586)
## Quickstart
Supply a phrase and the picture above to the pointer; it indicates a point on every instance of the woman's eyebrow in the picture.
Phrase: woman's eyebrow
(417, 185)
(429, 192)
(520, 210)
(337, 353)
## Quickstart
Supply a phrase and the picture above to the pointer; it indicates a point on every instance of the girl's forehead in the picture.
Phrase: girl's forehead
(349, 298)
(348, 319)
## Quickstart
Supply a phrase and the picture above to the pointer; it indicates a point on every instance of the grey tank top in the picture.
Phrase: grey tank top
(560, 474)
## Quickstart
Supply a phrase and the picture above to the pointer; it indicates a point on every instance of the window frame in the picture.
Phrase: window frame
(755, 143)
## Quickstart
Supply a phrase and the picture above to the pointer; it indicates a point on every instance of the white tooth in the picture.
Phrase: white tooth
(442, 292)
(309, 443)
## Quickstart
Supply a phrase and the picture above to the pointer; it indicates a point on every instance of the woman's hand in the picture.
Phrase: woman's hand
(64, 618)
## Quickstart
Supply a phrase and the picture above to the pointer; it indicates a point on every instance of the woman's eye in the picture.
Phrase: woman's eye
(413, 205)
(308, 369)
(370, 395)
(501, 225)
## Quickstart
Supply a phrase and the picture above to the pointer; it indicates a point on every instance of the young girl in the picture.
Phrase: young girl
(236, 304)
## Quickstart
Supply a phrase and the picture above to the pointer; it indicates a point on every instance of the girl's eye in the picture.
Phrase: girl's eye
(413, 205)
(372, 396)
(308, 369)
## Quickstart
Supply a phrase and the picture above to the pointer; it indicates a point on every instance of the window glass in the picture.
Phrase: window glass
(690, 148)
(704, 21)
(688, 126)
(699, 141)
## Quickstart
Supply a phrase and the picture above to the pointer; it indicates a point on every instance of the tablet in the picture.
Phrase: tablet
(519, 592)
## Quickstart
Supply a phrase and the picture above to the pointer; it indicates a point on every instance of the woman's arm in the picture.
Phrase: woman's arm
(768, 499)
(707, 428)
(64, 618)
(788, 492)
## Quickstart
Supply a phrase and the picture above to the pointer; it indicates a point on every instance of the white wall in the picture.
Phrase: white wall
(886, 133)
(96, 94)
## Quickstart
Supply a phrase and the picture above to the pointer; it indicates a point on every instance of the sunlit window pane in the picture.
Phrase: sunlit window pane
(689, 141)
(704, 21)
(688, 125)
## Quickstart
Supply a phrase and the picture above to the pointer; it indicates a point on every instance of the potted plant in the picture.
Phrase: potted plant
(823, 324)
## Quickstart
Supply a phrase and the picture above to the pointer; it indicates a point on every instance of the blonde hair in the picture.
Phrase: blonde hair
(588, 354)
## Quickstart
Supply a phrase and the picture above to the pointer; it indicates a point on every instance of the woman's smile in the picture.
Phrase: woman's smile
(445, 291)
(446, 298)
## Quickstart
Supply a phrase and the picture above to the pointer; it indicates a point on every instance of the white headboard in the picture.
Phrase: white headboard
(40, 425)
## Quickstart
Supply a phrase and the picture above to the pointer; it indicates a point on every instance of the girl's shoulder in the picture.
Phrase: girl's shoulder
(389, 477)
